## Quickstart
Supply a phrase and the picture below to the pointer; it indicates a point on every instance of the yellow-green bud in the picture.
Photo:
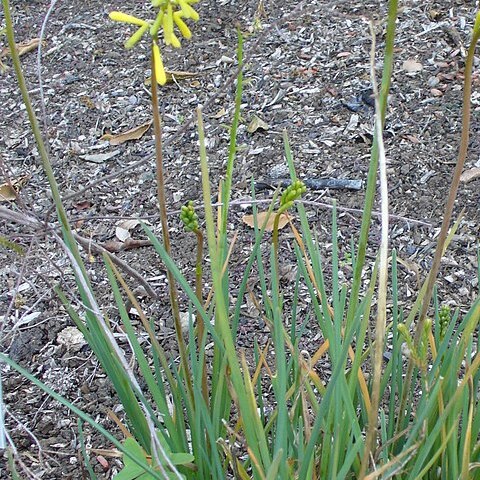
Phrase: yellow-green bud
(157, 24)
(125, 18)
(189, 217)
(136, 37)
(292, 193)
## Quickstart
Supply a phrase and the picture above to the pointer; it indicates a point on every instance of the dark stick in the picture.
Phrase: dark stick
(311, 183)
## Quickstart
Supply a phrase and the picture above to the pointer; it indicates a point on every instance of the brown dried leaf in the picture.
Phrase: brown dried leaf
(9, 191)
(261, 216)
(122, 231)
(470, 175)
(221, 113)
(412, 138)
(129, 244)
(132, 134)
(178, 75)
(22, 48)
(257, 123)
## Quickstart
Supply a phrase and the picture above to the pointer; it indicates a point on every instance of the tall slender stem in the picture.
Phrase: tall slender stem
(380, 325)
(162, 204)
(447, 215)
(199, 319)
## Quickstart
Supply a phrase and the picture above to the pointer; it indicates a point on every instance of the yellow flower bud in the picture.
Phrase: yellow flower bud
(135, 38)
(182, 26)
(158, 64)
(156, 24)
(175, 41)
(188, 11)
(168, 24)
(125, 18)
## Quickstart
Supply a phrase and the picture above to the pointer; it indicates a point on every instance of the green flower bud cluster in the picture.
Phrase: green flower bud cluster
(171, 13)
(189, 217)
(292, 193)
(444, 317)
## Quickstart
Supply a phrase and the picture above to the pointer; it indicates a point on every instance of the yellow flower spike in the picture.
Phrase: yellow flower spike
(158, 64)
(188, 11)
(135, 38)
(125, 18)
(156, 3)
(168, 24)
(175, 41)
(182, 26)
(156, 24)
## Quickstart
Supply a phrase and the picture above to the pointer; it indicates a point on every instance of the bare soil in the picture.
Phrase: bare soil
(306, 72)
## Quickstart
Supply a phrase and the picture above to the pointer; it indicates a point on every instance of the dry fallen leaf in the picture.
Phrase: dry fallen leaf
(99, 157)
(22, 48)
(129, 244)
(257, 123)
(9, 191)
(412, 66)
(470, 175)
(221, 113)
(412, 138)
(178, 75)
(132, 134)
(122, 231)
(261, 216)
